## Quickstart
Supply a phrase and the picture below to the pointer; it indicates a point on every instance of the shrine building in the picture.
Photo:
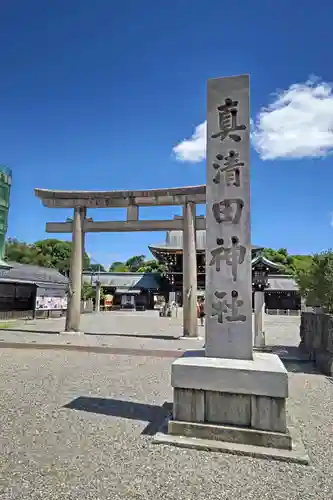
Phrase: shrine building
(281, 294)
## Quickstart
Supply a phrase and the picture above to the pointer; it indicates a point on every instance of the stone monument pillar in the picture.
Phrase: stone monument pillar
(259, 315)
(74, 303)
(226, 396)
(190, 322)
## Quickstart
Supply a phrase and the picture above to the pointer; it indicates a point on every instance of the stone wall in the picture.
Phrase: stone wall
(316, 332)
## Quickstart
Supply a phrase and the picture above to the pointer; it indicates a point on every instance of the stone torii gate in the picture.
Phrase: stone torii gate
(80, 201)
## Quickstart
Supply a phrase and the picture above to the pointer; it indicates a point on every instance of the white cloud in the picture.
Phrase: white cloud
(297, 124)
(193, 150)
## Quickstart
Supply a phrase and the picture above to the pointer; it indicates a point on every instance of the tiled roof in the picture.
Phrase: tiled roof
(282, 283)
(265, 261)
(26, 273)
(147, 281)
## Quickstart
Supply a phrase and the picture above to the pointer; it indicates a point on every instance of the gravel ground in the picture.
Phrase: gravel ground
(97, 451)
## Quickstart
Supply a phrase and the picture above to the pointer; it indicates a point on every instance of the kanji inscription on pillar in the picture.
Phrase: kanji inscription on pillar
(229, 166)
(225, 311)
(232, 255)
(228, 239)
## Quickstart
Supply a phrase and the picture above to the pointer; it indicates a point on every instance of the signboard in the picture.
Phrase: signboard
(50, 299)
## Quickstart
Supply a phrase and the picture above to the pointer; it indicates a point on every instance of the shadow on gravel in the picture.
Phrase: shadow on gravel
(153, 414)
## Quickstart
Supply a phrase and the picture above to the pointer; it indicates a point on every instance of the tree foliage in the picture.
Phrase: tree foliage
(137, 263)
(289, 263)
(134, 263)
(153, 266)
(96, 268)
(316, 281)
(89, 292)
(118, 267)
(47, 253)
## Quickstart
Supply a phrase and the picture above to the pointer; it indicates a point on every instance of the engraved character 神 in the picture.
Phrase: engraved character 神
(231, 168)
(228, 210)
(222, 307)
(228, 121)
(233, 255)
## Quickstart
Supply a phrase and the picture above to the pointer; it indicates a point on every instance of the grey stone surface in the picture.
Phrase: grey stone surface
(99, 451)
(107, 199)
(222, 408)
(189, 272)
(268, 414)
(259, 315)
(265, 375)
(316, 335)
(74, 299)
(228, 270)
(297, 454)
(257, 412)
(188, 405)
(230, 434)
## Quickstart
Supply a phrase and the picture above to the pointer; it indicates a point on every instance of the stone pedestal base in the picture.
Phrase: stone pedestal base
(240, 402)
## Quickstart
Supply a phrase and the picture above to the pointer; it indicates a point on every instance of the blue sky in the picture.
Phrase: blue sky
(97, 94)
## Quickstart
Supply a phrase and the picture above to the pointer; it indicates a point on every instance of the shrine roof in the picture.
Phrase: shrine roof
(269, 263)
(282, 283)
(130, 281)
(29, 274)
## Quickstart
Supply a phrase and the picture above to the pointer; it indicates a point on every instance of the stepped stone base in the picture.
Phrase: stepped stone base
(231, 404)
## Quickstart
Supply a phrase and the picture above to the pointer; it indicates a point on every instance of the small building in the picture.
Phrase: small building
(28, 291)
(129, 290)
(281, 294)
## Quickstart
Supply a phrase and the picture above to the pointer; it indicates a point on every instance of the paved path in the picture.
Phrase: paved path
(78, 426)
(133, 330)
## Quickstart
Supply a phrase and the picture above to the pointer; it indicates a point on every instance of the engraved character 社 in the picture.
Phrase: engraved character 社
(233, 255)
(231, 168)
(222, 308)
(228, 121)
(228, 210)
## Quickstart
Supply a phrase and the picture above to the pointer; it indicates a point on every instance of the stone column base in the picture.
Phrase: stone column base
(240, 402)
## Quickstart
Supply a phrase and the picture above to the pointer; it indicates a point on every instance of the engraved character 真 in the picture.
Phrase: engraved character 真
(228, 121)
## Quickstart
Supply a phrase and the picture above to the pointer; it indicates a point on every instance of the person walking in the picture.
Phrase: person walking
(201, 310)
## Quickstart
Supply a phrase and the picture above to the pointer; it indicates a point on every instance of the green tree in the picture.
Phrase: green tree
(95, 268)
(134, 263)
(58, 253)
(315, 281)
(47, 253)
(17, 251)
(289, 263)
(118, 267)
(89, 292)
(153, 266)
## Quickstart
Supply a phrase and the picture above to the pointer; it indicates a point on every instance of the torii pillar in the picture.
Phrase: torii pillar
(74, 303)
(190, 322)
